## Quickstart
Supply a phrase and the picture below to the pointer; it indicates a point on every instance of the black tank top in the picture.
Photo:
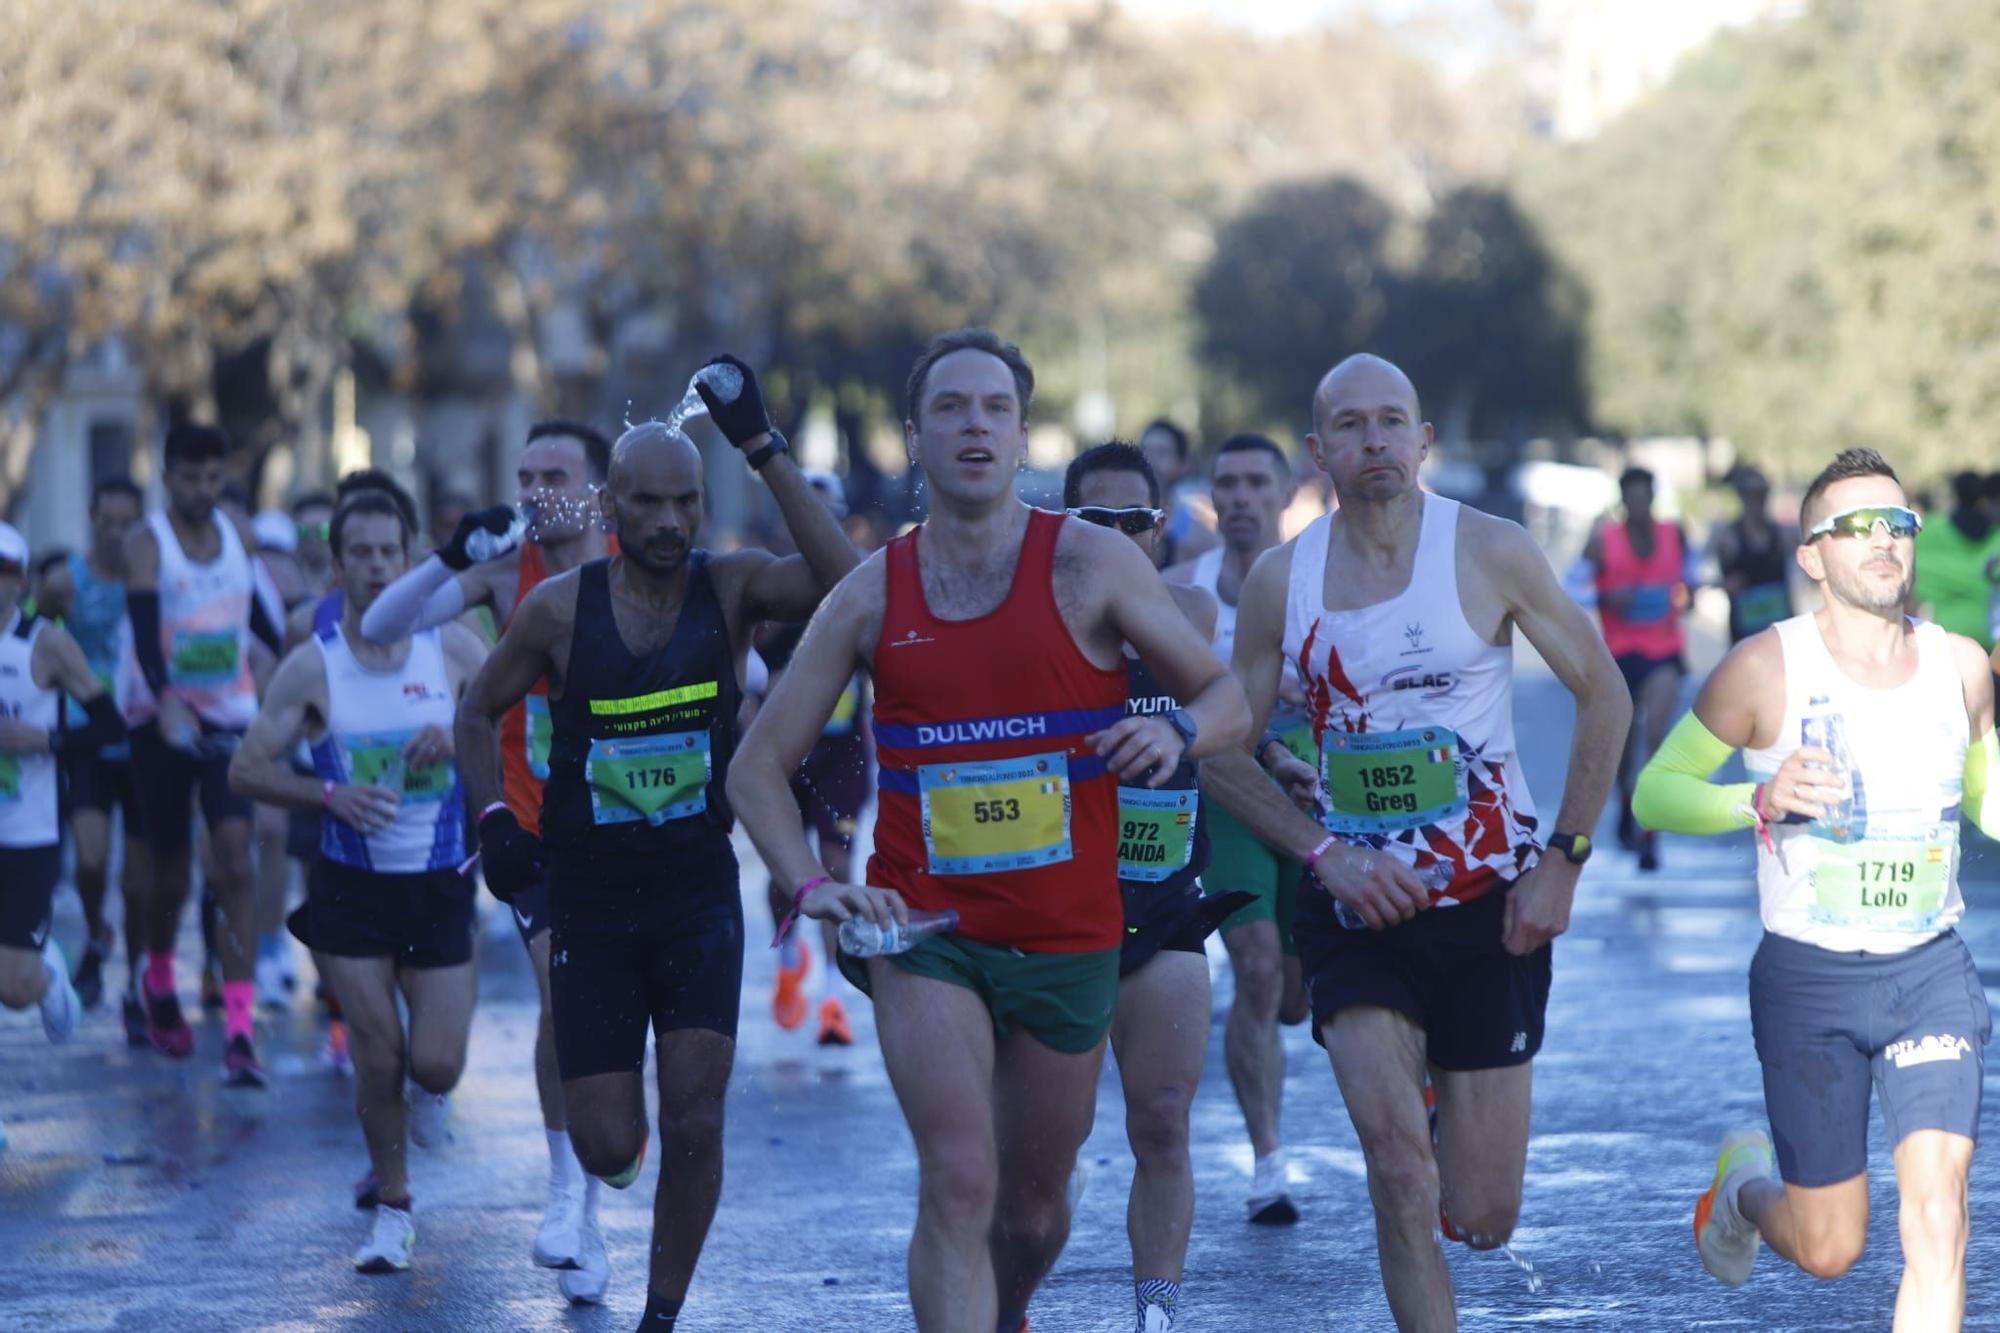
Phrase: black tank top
(640, 746)
(1765, 599)
(1162, 839)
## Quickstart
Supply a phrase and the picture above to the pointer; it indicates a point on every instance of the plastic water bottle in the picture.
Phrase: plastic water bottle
(723, 380)
(484, 544)
(1828, 731)
(862, 938)
(390, 779)
(1436, 878)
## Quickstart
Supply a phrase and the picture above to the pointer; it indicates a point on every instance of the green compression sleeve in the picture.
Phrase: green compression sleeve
(1982, 760)
(1674, 793)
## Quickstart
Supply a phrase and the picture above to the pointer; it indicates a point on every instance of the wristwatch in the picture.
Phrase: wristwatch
(1182, 722)
(778, 445)
(1576, 846)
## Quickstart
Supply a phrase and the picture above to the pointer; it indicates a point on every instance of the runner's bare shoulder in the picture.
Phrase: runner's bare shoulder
(855, 607)
(1197, 604)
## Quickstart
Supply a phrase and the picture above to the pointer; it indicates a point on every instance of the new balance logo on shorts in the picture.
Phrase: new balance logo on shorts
(1520, 1043)
(1927, 1050)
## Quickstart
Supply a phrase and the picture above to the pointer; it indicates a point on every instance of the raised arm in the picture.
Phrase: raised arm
(444, 584)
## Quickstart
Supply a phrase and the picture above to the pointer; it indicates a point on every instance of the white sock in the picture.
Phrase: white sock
(592, 1188)
(1273, 1162)
(565, 1172)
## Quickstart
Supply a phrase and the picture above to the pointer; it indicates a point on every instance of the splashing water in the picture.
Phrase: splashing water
(723, 380)
(1536, 1283)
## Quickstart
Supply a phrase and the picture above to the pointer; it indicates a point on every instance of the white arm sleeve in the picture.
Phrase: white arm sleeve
(425, 597)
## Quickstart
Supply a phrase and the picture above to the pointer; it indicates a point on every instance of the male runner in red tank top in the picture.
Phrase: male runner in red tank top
(561, 468)
(994, 634)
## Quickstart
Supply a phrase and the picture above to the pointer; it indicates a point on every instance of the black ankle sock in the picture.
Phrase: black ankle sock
(660, 1315)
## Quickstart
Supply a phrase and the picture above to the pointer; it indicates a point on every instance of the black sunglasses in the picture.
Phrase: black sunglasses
(1131, 522)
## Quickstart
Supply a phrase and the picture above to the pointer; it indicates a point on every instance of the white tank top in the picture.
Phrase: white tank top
(1413, 715)
(370, 715)
(1207, 573)
(204, 631)
(27, 781)
(1883, 876)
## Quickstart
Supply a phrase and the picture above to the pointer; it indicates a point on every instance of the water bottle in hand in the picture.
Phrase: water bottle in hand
(485, 544)
(724, 381)
(1436, 877)
(862, 938)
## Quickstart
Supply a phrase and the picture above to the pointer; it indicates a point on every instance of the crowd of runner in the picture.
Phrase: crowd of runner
(1093, 738)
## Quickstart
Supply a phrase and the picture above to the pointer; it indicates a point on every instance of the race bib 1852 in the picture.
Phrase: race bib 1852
(992, 815)
(1387, 781)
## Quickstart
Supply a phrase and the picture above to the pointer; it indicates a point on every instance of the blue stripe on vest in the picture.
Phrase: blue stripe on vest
(339, 841)
(987, 730)
(1082, 768)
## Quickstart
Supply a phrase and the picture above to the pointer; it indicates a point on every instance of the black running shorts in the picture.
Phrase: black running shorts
(658, 942)
(1445, 968)
(166, 779)
(28, 878)
(421, 920)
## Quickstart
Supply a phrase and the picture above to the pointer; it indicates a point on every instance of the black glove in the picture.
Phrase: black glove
(495, 520)
(513, 856)
(743, 417)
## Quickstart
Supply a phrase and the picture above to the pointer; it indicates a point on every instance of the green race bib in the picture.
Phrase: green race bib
(1766, 604)
(10, 778)
(1155, 833)
(1388, 781)
(204, 657)
(538, 731)
(377, 761)
(982, 817)
(651, 778)
(1890, 884)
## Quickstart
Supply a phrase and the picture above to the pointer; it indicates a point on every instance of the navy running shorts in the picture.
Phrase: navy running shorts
(1828, 1025)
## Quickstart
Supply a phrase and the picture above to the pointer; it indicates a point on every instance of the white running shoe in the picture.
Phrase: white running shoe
(1157, 1320)
(430, 1117)
(390, 1244)
(1270, 1203)
(1726, 1241)
(586, 1283)
(60, 1006)
(559, 1242)
(270, 975)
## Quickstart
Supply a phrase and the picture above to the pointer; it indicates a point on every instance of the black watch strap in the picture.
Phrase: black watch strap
(1575, 846)
(778, 444)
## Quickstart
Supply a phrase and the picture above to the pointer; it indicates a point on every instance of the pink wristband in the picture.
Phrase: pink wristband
(778, 936)
(1313, 856)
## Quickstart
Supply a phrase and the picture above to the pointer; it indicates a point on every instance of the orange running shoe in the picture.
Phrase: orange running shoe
(789, 1003)
(833, 1029)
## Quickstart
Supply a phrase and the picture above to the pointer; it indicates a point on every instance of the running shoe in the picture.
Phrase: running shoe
(430, 1118)
(367, 1191)
(833, 1029)
(559, 1241)
(586, 1282)
(334, 1056)
(89, 978)
(390, 1244)
(270, 977)
(240, 1068)
(1270, 1205)
(788, 1003)
(166, 1028)
(1726, 1241)
(60, 1007)
(1157, 1320)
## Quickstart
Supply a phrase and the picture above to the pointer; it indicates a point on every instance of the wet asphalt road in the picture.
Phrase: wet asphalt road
(141, 1194)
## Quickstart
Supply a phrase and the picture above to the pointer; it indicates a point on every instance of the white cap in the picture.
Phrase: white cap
(13, 546)
(275, 530)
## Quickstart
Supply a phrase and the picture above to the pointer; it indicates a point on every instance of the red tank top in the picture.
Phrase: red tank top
(1650, 625)
(526, 729)
(991, 802)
